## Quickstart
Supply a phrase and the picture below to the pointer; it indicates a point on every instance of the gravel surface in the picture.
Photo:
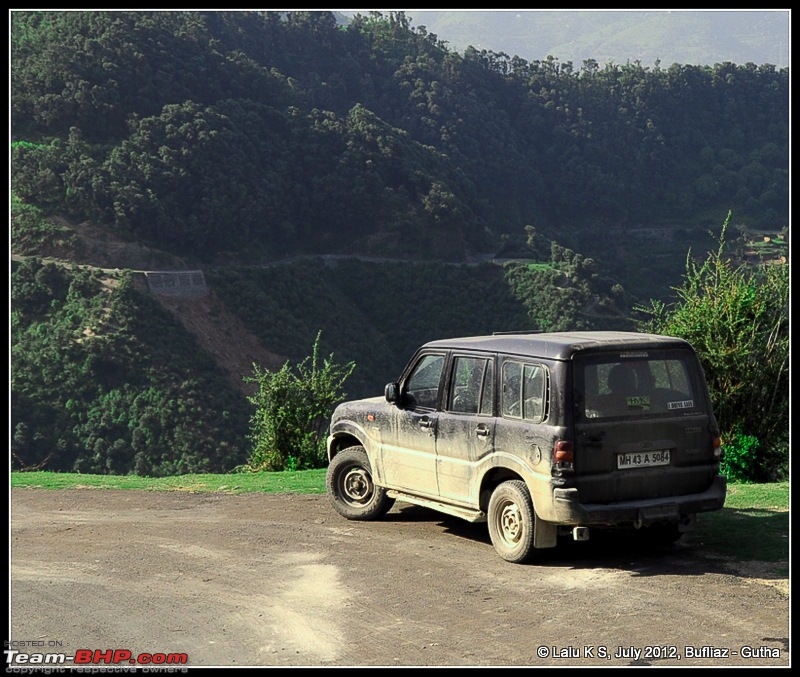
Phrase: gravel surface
(282, 580)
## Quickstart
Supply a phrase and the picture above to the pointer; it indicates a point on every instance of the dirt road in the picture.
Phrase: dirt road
(281, 580)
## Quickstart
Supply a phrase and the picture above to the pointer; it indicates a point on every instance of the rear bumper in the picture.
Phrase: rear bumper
(569, 510)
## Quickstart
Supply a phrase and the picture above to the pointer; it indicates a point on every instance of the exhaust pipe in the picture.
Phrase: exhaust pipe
(580, 533)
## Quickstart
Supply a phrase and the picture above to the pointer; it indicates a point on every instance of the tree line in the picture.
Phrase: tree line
(274, 133)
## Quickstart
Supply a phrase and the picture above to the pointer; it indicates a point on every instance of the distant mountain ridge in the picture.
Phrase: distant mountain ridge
(701, 38)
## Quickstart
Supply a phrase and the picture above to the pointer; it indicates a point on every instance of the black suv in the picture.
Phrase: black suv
(538, 434)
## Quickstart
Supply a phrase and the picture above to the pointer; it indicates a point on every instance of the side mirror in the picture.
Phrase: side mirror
(392, 393)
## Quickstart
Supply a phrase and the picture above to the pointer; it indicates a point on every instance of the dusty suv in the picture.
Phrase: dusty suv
(540, 435)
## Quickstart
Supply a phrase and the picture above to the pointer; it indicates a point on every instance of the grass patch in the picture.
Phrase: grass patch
(300, 482)
(772, 496)
(753, 525)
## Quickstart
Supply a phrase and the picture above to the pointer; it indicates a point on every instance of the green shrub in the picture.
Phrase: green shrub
(293, 408)
(737, 318)
(740, 456)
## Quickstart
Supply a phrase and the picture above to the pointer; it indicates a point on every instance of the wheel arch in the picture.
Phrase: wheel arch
(340, 441)
(494, 478)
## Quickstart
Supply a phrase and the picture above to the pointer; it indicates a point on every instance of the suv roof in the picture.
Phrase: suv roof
(558, 345)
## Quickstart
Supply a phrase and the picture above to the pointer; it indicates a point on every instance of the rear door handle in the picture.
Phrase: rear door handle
(482, 431)
(425, 423)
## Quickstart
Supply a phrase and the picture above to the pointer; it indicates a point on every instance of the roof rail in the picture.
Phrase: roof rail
(521, 331)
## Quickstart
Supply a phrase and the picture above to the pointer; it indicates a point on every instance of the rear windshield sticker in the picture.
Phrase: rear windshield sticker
(642, 402)
(681, 404)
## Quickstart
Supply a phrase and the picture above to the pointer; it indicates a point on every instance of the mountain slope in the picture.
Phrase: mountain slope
(668, 36)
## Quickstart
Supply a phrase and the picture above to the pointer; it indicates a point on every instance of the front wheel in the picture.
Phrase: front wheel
(511, 521)
(350, 487)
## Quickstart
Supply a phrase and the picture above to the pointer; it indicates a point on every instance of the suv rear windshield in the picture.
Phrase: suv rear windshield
(638, 384)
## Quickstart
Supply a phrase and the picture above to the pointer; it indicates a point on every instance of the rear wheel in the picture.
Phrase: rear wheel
(511, 521)
(350, 487)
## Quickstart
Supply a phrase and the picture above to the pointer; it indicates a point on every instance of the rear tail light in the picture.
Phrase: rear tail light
(564, 454)
(717, 447)
(564, 451)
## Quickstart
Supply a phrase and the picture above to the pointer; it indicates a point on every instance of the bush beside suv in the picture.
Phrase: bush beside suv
(537, 434)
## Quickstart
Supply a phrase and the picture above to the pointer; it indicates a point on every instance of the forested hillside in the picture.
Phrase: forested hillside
(228, 141)
(203, 132)
(105, 381)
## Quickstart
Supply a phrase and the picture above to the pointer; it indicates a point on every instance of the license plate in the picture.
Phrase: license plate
(642, 459)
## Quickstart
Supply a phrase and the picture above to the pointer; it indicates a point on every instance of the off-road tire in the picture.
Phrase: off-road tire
(350, 487)
(511, 521)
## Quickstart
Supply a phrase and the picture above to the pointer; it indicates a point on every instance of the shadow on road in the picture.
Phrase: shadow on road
(627, 551)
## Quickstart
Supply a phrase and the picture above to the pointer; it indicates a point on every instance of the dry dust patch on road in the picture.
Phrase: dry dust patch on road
(196, 551)
(579, 579)
(61, 572)
(306, 610)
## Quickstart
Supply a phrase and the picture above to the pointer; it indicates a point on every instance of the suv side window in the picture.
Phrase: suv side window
(524, 391)
(472, 388)
(422, 386)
